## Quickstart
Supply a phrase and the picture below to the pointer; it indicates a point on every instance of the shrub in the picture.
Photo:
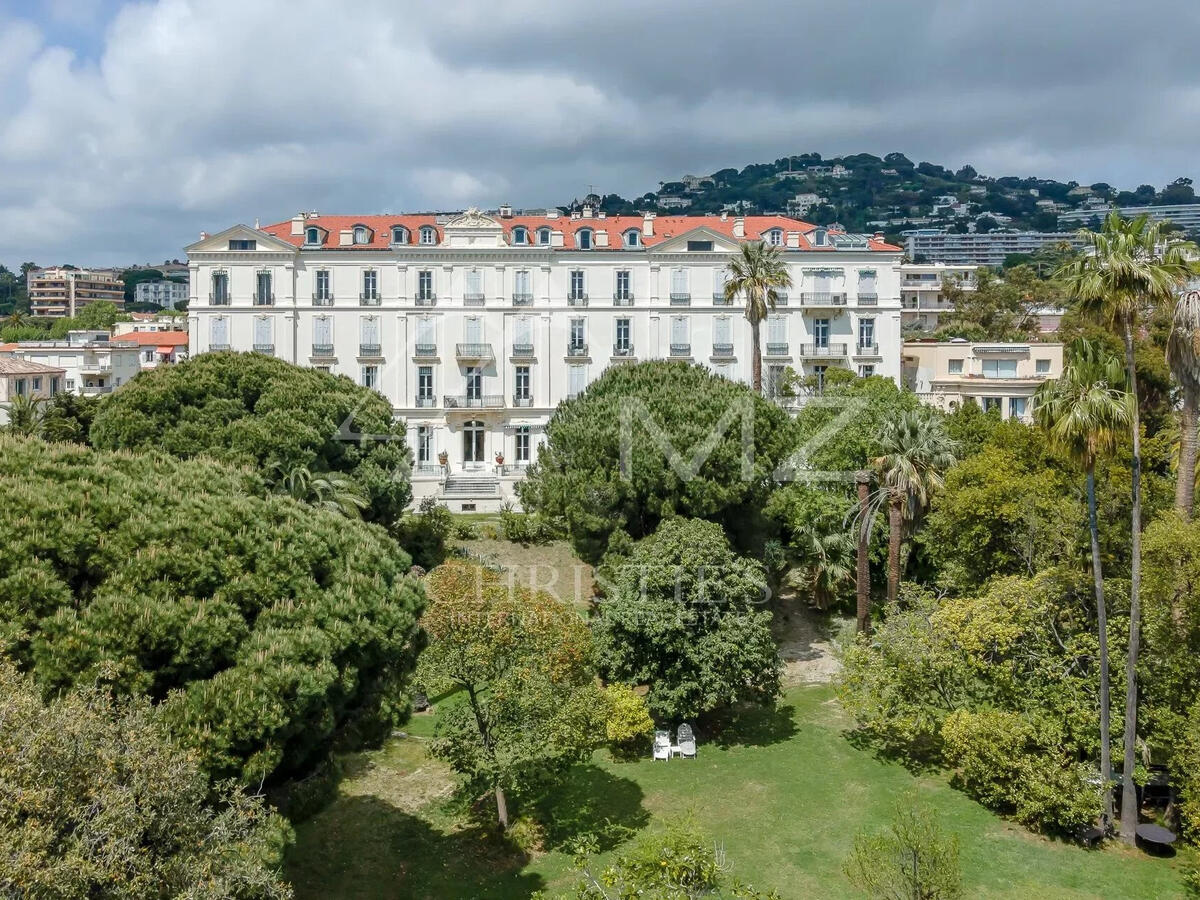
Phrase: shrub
(530, 528)
(423, 534)
(911, 858)
(628, 725)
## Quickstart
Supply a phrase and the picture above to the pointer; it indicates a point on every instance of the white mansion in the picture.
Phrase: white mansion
(476, 326)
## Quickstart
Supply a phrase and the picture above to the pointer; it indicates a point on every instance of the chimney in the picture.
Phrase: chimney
(203, 235)
(346, 237)
(724, 215)
(506, 211)
(878, 236)
(587, 211)
(648, 224)
(601, 238)
(601, 214)
(556, 239)
(574, 214)
(739, 227)
(298, 224)
(793, 239)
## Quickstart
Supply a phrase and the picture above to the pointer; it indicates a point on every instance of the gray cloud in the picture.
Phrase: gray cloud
(192, 114)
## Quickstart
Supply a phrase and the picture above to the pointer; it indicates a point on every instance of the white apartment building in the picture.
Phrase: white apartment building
(21, 378)
(946, 374)
(476, 326)
(1185, 215)
(92, 363)
(921, 291)
(165, 294)
(988, 249)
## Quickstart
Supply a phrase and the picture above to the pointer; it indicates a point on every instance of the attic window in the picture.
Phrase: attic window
(699, 246)
(543, 236)
(428, 234)
(312, 236)
(819, 237)
(362, 234)
(243, 245)
(520, 235)
(583, 239)
(774, 237)
(399, 234)
(633, 238)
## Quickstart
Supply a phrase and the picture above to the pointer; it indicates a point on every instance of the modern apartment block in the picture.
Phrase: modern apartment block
(476, 326)
(922, 291)
(91, 361)
(1185, 215)
(59, 292)
(165, 294)
(990, 249)
(998, 376)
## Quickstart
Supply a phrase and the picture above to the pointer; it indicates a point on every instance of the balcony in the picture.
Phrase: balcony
(719, 299)
(822, 351)
(823, 298)
(425, 350)
(681, 350)
(522, 299)
(522, 351)
(722, 351)
(483, 401)
(575, 348)
(217, 299)
(217, 347)
(577, 299)
(322, 300)
(373, 350)
(426, 298)
(866, 349)
(100, 368)
(776, 349)
(473, 299)
(522, 402)
(868, 299)
(265, 348)
(514, 468)
(264, 299)
(622, 350)
(322, 349)
(681, 299)
(427, 402)
(473, 351)
(428, 468)
(781, 298)
(622, 298)
(368, 299)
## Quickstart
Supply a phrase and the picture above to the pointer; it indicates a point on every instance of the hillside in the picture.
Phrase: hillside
(866, 193)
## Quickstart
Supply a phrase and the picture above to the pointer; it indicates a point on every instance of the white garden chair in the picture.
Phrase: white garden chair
(662, 745)
(687, 742)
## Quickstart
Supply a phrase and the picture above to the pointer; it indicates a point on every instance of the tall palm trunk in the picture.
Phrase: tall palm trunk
(1185, 484)
(862, 567)
(1129, 804)
(502, 808)
(895, 521)
(756, 355)
(1102, 628)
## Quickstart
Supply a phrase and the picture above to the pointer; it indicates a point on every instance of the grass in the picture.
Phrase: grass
(784, 792)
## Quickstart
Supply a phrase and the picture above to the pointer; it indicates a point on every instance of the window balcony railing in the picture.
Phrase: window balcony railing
(264, 348)
(473, 351)
(622, 349)
(576, 349)
(522, 351)
(425, 350)
(681, 349)
(218, 299)
(867, 349)
(868, 299)
(426, 298)
(428, 468)
(681, 298)
(823, 298)
(264, 299)
(522, 299)
(781, 298)
(426, 402)
(822, 351)
(622, 299)
(483, 401)
(368, 299)
(322, 349)
(218, 346)
(520, 401)
(719, 299)
(370, 350)
(722, 350)
(322, 299)
(577, 299)
(777, 348)
(473, 299)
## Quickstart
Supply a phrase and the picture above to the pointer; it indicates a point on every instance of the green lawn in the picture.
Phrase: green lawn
(785, 796)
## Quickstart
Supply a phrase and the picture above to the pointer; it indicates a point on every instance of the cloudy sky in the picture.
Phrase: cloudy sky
(127, 128)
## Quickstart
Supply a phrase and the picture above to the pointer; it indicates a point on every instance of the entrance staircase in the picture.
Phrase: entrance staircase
(470, 486)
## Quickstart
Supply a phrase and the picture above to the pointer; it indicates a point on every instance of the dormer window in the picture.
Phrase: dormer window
(520, 235)
(583, 239)
(819, 237)
(428, 234)
(543, 236)
(399, 234)
(362, 234)
(633, 238)
(774, 237)
(312, 236)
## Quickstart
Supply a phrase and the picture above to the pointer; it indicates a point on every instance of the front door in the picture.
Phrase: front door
(473, 444)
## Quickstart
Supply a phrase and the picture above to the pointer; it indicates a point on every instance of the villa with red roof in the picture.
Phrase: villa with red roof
(476, 325)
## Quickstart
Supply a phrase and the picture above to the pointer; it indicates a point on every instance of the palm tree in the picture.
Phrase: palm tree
(1125, 269)
(823, 554)
(335, 493)
(758, 272)
(25, 415)
(914, 452)
(1183, 355)
(1083, 412)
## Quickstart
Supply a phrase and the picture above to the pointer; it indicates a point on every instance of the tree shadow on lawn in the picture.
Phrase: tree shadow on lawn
(594, 804)
(754, 726)
(363, 847)
(917, 759)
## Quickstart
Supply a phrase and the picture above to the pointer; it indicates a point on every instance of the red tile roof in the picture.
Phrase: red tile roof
(155, 338)
(665, 228)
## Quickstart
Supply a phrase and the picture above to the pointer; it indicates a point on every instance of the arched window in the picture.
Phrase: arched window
(774, 237)
(583, 239)
(428, 234)
(819, 237)
(520, 235)
(399, 234)
(312, 236)
(543, 235)
(362, 234)
(633, 238)
(473, 434)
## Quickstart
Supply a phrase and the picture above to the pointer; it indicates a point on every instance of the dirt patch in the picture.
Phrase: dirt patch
(549, 567)
(806, 645)
(404, 774)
